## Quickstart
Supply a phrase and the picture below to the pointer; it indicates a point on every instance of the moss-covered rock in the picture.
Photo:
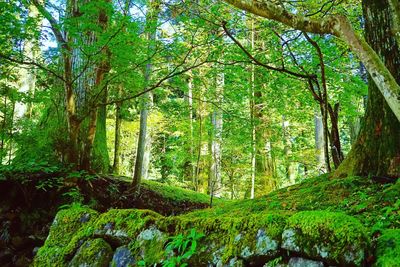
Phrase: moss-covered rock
(92, 253)
(228, 241)
(148, 247)
(253, 238)
(65, 227)
(388, 249)
(123, 257)
(334, 237)
(120, 226)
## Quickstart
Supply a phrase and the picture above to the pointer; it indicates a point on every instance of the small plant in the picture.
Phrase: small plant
(182, 248)
(75, 198)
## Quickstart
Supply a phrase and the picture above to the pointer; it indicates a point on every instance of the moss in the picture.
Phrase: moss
(65, 225)
(388, 249)
(232, 236)
(328, 234)
(316, 210)
(178, 194)
(94, 253)
(149, 246)
(127, 222)
(353, 195)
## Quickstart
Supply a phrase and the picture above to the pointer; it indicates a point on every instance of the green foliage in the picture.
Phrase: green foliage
(388, 249)
(182, 247)
(74, 197)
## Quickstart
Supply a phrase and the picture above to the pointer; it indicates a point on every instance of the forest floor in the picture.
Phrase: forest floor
(29, 202)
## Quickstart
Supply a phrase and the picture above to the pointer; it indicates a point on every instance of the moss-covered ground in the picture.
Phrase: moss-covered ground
(331, 218)
(376, 205)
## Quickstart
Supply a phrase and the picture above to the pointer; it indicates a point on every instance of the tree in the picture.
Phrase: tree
(377, 149)
(380, 73)
(83, 75)
(144, 142)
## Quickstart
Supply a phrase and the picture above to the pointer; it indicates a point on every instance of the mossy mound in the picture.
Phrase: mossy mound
(253, 240)
(329, 235)
(376, 205)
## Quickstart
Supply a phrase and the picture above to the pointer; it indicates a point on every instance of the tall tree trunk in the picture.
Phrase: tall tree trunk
(138, 171)
(252, 116)
(199, 147)
(95, 153)
(144, 142)
(28, 76)
(117, 140)
(191, 138)
(377, 150)
(3, 131)
(100, 157)
(11, 133)
(326, 139)
(216, 140)
(334, 138)
(319, 142)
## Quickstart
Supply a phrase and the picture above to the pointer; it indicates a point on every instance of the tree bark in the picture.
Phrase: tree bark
(216, 140)
(334, 138)
(377, 149)
(319, 142)
(117, 140)
(144, 142)
(191, 120)
(252, 116)
(95, 153)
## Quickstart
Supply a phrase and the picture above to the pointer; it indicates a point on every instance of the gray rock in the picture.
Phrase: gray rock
(246, 253)
(354, 255)
(300, 262)
(150, 234)
(122, 258)
(217, 257)
(289, 240)
(265, 245)
(322, 251)
(93, 253)
(234, 262)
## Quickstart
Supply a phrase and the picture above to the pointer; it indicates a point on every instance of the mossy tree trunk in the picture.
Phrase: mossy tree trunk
(377, 149)
(100, 158)
(95, 153)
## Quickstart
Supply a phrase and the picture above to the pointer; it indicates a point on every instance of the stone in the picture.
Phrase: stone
(289, 240)
(122, 257)
(264, 244)
(93, 253)
(333, 237)
(300, 262)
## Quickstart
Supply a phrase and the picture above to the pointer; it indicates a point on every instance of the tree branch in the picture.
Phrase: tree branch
(31, 63)
(257, 62)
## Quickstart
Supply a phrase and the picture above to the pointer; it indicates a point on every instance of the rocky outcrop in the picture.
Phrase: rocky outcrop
(82, 237)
